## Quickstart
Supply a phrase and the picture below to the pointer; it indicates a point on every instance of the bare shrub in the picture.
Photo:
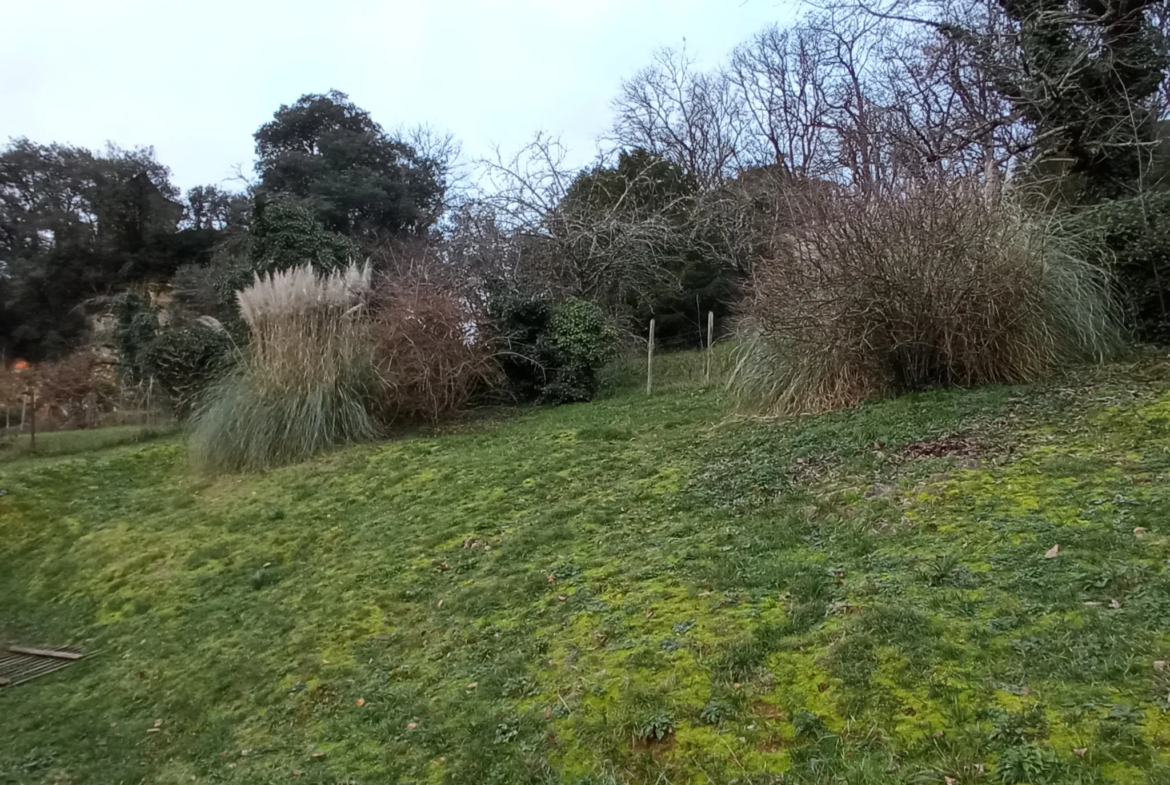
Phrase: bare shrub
(942, 284)
(72, 391)
(431, 358)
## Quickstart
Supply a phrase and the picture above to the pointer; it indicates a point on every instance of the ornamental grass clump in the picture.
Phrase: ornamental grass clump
(307, 378)
(941, 284)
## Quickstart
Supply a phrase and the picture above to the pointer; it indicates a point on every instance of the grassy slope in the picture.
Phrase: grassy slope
(55, 443)
(542, 599)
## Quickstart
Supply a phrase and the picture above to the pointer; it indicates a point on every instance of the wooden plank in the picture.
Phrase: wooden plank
(54, 653)
(4, 682)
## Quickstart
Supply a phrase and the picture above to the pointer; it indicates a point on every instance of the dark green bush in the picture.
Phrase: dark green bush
(519, 319)
(577, 344)
(1137, 232)
(551, 354)
(286, 233)
(135, 326)
(186, 360)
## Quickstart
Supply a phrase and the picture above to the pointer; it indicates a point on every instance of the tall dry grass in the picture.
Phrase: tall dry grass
(943, 284)
(306, 381)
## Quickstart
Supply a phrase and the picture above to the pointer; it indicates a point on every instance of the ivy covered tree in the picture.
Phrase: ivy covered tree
(1084, 75)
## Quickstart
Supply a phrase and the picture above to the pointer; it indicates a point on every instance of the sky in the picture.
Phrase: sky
(196, 79)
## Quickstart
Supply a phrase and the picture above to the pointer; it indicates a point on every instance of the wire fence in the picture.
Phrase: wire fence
(36, 411)
(682, 359)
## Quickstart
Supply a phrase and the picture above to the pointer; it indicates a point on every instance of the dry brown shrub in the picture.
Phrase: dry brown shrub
(73, 391)
(432, 357)
(942, 284)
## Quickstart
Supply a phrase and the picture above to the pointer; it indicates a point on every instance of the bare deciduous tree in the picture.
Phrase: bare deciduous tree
(617, 233)
(782, 78)
(691, 117)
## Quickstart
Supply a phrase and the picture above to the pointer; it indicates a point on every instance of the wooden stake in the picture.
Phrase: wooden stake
(32, 417)
(710, 341)
(650, 360)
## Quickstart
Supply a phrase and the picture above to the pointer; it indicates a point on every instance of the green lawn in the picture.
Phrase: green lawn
(639, 590)
(56, 443)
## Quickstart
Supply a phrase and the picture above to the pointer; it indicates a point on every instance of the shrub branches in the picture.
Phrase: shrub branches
(430, 356)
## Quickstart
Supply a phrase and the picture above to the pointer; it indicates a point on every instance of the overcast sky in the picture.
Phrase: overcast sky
(195, 79)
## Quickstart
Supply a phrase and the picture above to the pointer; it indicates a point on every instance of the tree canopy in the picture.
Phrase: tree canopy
(75, 225)
(359, 180)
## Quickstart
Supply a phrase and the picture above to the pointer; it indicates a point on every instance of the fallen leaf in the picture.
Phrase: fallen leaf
(113, 724)
(548, 714)
(735, 686)
(562, 597)
(649, 613)
(318, 755)
(950, 780)
(361, 702)
(552, 578)
(158, 723)
(1080, 752)
(440, 605)
(1026, 690)
(1161, 665)
(473, 685)
(1140, 530)
(1052, 552)
(324, 662)
(192, 778)
(154, 730)
(411, 725)
(1114, 604)
(297, 772)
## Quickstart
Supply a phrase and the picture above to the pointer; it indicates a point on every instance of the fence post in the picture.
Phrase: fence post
(650, 360)
(32, 417)
(710, 342)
